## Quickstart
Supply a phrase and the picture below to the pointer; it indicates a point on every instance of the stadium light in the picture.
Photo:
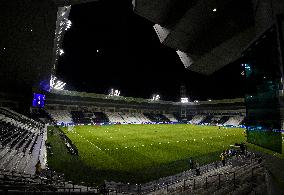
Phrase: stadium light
(60, 87)
(156, 97)
(56, 84)
(114, 92)
(61, 52)
(184, 100)
(68, 24)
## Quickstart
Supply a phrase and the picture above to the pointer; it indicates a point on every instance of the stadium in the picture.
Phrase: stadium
(75, 120)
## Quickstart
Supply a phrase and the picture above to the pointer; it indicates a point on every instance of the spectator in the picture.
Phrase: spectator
(197, 169)
(38, 167)
(230, 152)
(103, 189)
(190, 163)
(223, 158)
(243, 148)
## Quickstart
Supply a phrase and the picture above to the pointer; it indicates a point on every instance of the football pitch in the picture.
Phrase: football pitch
(137, 153)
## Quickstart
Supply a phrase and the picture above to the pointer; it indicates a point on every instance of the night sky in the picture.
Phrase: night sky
(131, 58)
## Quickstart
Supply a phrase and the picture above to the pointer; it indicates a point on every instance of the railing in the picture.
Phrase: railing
(174, 184)
(228, 178)
(185, 180)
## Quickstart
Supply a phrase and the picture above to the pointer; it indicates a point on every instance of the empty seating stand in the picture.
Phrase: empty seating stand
(21, 140)
(79, 117)
(206, 120)
(100, 117)
(157, 118)
(234, 121)
(197, 119)
(60, 116)
(171, 117)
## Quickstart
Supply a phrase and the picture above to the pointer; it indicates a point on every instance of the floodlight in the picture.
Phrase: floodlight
(60, 87)
(114, 92)
(68, 24)
(56, 84)
(52, 81)
(156, 97)
(61, 51)
(184, 100)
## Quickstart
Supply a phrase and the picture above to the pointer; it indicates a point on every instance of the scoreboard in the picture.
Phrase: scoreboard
(38, 100)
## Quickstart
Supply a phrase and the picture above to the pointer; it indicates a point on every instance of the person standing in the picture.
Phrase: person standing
(38, 167)
(197, 169)
(223, 158)
(190, 163)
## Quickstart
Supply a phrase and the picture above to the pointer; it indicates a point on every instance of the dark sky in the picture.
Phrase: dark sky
(131, 58)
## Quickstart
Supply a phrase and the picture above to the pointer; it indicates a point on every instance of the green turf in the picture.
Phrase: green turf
(137, 153)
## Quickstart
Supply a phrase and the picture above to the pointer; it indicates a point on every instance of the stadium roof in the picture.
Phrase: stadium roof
(70, 2)
(142, 100)
(206, 34)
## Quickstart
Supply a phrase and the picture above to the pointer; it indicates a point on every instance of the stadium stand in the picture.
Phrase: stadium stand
(223, 119)
(41, 116)
(234, 121)
(241, 175)
(48, 183)
(129, 118)
(157, 118)
(215, 119)
(115, 117)
(197, 119)
(171, 117)
(61, 116)
(79, 117)
(22, 142)
(100, 117)
(207, 120)
(142, 118)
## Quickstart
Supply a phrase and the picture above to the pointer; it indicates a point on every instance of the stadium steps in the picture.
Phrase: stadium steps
(212, 178)
(20, 167)
(3, 152)
(34, 155)
(6, 158)
(14, 161)
(227, 185)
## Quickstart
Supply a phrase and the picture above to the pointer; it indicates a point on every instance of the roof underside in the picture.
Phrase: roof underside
(210, 39)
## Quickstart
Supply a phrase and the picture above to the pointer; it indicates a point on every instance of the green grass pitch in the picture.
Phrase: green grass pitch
(137, 153)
